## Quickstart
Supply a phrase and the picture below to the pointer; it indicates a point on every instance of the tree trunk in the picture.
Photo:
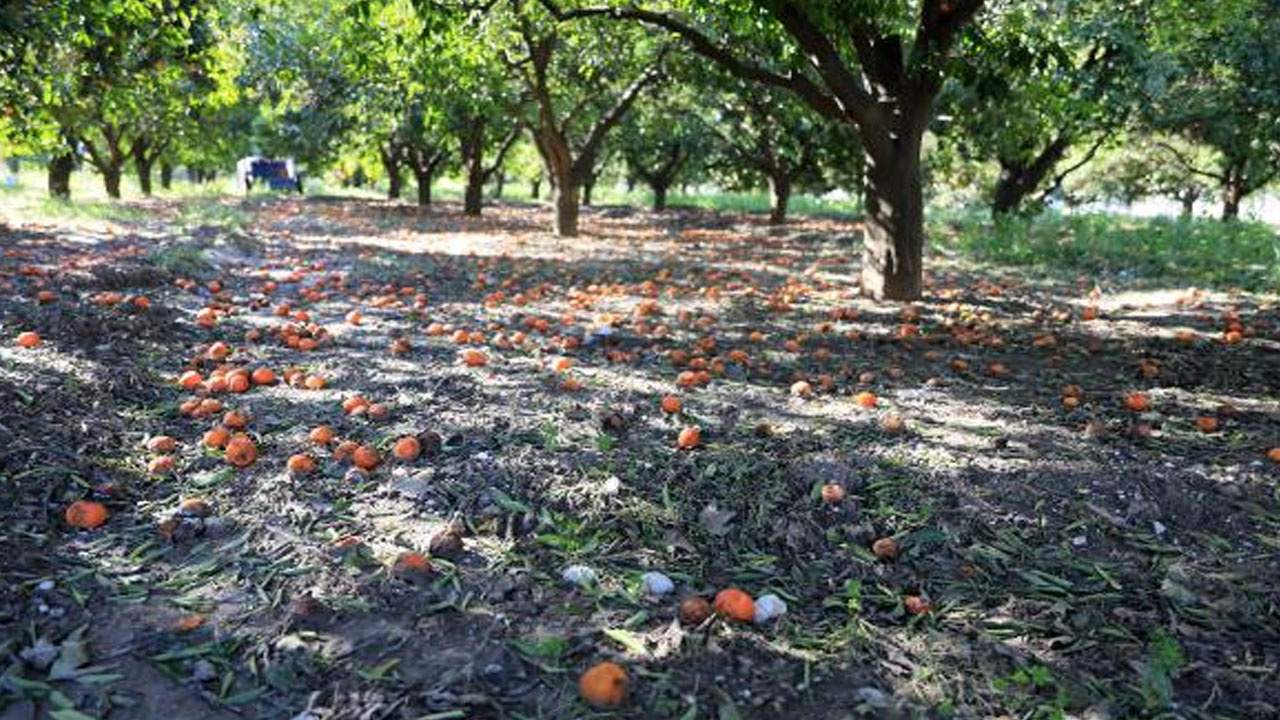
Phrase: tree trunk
(780, 186)
(567, 209)
(166, 174)
(60, 167)
(111, 180)
(395, 181)
(473, 195)
(659, 196)
(535, 188)
(1019, 178)
(893, 249)
(1188, 204)
(1232, 194)
(423, 177)
(500, 184)
(587, 189)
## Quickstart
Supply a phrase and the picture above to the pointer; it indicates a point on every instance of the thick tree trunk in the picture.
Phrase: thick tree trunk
(166, 174)
(423, 178)
(60, 167)
(780, 186)
(144, 175)
(893, 249)
(659, 196)
(111, 180)
(535, 188)
(567, 209)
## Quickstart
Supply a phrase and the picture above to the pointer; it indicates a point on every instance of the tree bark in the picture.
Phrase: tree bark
(659, 196)
(60, 167)
(535, 188)
(166, 174)
(588, 188)
(499, 185)
(567, 208)
(142, 165)
(1020, 177)
(111, 181)
(1233, 191)
(893, 250)
(473, 195)
(780, 187)
(1188, 199)
(391, 163)
(423, 178)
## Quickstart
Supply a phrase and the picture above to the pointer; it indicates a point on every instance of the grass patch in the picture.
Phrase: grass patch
(1196, 251)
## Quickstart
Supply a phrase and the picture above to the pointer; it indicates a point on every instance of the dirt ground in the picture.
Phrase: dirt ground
(1092, 561)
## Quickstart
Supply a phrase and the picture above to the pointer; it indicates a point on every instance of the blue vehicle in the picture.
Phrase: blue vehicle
(275, 173)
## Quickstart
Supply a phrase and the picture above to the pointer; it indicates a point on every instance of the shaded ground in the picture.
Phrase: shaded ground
(1130, 570)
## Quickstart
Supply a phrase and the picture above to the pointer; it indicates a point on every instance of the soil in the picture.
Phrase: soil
(1088, 562)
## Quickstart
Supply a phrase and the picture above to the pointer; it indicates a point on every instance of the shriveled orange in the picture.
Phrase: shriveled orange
(162, 464)
(1207, 424)
(216, 437)
(162, 444)
(241, 452)
(604, 685)
(671, 404)
(366, 457)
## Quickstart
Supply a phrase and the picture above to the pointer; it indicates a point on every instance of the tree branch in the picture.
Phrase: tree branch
(1187, 165)
(700, 43)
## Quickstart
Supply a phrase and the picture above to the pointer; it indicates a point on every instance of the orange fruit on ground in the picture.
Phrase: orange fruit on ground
(671, 404)
(301, 464)
(916, 605)
(474, 358)
(345, 450)
(86, 514)
(314, 382)
(238, 382)
(1207, 424)
(321, 435)
(885, 548)
(263, 376)
(190, 380)
(1137, 401)
(353, 403)
(801, 388)
(694, 610)
(562, 364)
(866, 399)
(735, 605)
(216, 437)
(411, 563)
(892, 424)
(162, 444)
(407, 448)
(161, 465)
(1274, 454)
(235, 419)
(689, 437)
(366, 458)
(28, 339)
(604, 685)
(241, 452)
